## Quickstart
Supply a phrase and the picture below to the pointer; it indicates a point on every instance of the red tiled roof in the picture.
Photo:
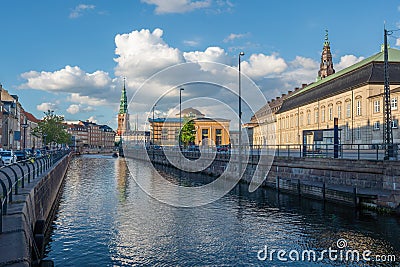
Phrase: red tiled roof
(30, 117)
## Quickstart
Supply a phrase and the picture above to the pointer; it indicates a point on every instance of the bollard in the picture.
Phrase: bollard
(277, 183)
(1, 216)
(16, 178)
(355, 196)
(5, 188)
(22, 173)
(29, 171)
(4, 210)
(298, 187)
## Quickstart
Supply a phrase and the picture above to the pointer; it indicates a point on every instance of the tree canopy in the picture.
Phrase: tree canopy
(188, 132)
(52, 129)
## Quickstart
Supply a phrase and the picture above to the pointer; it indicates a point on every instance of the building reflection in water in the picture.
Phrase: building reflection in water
(122, 178)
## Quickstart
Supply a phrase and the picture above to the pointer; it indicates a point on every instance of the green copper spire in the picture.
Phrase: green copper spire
(123, 106)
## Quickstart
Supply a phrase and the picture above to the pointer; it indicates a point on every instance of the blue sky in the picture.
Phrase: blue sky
(70, 56)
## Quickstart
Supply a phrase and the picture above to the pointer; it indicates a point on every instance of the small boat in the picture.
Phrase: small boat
(115, 155)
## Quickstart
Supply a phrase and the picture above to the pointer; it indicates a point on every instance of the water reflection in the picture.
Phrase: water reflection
(122, 178)
(106, 219)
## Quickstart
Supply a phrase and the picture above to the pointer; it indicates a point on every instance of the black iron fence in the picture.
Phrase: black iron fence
(344, 151)
(15, 176)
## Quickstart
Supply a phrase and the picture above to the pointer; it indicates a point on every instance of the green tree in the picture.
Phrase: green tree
(52, 129)
(188, 132)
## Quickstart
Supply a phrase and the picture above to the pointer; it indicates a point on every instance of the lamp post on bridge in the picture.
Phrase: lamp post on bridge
(153, 131)
(44, 139)
(24, 126)
(180, 116)
(240, 116)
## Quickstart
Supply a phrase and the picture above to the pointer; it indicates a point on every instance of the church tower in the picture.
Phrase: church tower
(123, 116)
(326, 66)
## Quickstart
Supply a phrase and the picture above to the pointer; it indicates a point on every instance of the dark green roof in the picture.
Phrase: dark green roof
(394, 56)
(369, 70)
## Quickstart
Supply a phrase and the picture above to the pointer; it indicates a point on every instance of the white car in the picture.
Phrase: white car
(8, 157)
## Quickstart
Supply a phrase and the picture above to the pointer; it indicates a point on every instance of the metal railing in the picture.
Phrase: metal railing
(16, 175)
(344, 151)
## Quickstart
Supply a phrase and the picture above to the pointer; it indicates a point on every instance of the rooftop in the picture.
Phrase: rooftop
(369, 70)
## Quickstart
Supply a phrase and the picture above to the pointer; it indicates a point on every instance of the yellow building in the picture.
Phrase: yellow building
(165, 131)
(353, 95)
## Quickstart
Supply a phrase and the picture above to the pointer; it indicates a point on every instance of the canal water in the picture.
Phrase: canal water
(105, 219)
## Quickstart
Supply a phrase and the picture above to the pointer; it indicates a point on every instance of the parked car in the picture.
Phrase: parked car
(222, 148)
(193, 148)
(8, 157)
(21, 155)
(38, 153)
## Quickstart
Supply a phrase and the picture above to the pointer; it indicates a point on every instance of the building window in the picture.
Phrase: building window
(358, 133)
(377, 125)
(330, 113)
(176, 134)
(204, 134)
(394, 103)
(301, 120)
(395, 123)
(358, 108)
(339, 111)
(291, 121)
(323, 114)
(316, 116)
(348, 133)
(308, 118)
(377, 106)
(164, 134)
(348, 110)
(218, 137)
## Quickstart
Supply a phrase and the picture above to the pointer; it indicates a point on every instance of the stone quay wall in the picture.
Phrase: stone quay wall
(29, 215)
(367, 183)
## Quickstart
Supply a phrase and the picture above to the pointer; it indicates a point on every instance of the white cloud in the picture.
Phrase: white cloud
(143, 53)
(211, 54)
(346, 61)
(92, 101)
(92, 119)
(300, 70)
(260, 65)
(233, 36)
(177, 6)
(191, 43)
(46, 106)
(79, 9)
(89, 108)
(69, 79)
(73, 109)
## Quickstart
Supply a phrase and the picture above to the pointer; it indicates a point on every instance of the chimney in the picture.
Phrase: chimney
(297, 88)
(283, 95)
(303, 85)
(289, 92)
(277, 97)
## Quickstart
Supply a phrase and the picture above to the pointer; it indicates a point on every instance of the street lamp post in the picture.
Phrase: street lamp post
(24, 126)
(153, 131)
(180, 116)
(153, 123)
(44, 137)
(240, 115)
